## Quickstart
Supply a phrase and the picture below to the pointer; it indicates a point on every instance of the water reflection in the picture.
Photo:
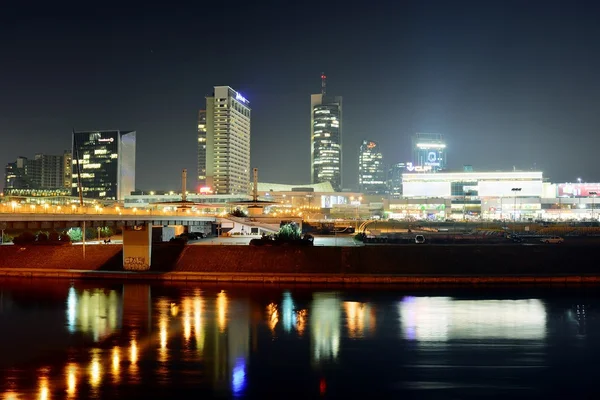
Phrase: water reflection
(198, 326)
(444, 318)
(93, 311)
(203, 338)
(95, 369)
(116, 364)
(325, 326)
(360, 317)
(71, 372)
(287, 305)
(44, 391)
(222, 310)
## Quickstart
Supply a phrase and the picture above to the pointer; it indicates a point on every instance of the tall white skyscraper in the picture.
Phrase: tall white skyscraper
(227, 142)
(326, 138)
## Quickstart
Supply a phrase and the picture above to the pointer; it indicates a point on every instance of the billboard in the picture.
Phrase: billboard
(578, 189)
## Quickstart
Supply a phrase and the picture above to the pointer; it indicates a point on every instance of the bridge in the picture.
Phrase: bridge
(137, 225)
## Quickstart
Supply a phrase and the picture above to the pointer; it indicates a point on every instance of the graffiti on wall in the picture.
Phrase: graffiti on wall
(136, 264)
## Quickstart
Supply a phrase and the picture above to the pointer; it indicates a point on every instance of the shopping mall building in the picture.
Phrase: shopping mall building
(492, 195)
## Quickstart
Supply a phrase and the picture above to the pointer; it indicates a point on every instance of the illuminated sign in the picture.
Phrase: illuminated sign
(371, 145)
(109, 140)
(241, 98)
(416, 168)
(205, 190)
(578, 189)
(431, 145)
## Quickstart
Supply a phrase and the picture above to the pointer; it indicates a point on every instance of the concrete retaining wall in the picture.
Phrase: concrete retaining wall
(371, 264)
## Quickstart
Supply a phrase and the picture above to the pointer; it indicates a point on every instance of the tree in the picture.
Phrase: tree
(42, 237)
(289, 231)
(74, 234)
(237, 213)
(24, 238)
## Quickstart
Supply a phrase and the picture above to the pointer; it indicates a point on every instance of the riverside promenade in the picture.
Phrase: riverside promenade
(436, 264)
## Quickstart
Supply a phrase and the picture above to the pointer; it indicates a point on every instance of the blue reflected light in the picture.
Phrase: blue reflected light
(71, 309)
(287, 305)
(238, 382)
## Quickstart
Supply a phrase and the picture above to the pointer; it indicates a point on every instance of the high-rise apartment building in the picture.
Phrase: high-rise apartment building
(16, 174)
(371, 173)
(326, 138)
(394, 179)
(67, 169)
(227, 142)
(429, 151)
(44, 171)
(105, 162)
(202, 148)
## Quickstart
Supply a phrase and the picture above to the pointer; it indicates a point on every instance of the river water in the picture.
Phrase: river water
(61, 339)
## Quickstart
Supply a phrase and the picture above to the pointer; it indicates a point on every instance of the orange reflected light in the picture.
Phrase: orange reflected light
(272, 316)
(95, 371)
(44, 391)
(222, 310)
(301, 321)
(133, 353)
(71, 379)
(187, 321)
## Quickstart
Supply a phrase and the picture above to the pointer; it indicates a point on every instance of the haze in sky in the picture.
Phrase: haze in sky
(509, 83)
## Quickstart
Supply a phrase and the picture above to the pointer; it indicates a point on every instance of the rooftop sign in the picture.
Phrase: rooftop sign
(241, 98)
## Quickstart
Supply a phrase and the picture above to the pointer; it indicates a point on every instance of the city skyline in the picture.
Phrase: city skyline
(446, 68)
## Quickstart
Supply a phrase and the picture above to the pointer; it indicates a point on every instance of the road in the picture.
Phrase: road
(340, 241)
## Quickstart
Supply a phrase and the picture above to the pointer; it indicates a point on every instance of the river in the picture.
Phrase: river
(110, 340)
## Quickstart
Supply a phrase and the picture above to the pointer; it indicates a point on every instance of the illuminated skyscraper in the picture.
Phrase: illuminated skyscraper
(202, 148)
(106, 164)
(326, 138)
(394, 180)
(227, 142)
(371, 175)
(429, 151)
(67, 169)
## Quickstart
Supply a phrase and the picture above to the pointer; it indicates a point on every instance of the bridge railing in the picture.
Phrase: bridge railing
(17, 208)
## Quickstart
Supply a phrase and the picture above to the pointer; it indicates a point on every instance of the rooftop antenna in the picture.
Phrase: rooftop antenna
(183, 183)
(323, 83)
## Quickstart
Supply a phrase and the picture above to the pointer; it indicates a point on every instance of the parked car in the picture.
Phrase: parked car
(553, 239)
(419, 239)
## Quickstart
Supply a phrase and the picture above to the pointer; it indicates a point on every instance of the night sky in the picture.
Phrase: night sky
(509, 83)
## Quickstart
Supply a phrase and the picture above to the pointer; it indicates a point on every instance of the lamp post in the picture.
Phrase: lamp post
(515, 191)
(593, 194)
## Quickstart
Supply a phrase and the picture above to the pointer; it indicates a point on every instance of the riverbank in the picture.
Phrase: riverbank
(367, 264)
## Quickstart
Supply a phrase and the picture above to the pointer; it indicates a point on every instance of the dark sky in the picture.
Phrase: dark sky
(509, 83)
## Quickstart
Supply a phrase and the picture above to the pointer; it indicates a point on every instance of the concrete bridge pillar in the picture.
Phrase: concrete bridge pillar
(137, 247)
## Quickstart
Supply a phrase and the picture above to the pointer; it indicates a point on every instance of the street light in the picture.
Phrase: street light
(515, 191)
(593, 194)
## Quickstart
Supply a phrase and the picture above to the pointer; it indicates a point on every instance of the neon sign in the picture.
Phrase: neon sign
(109, 140)
(241, 98)
(417, 168)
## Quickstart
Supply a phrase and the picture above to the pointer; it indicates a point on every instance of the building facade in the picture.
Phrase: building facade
(371, 173)
(228, 118)
(16, 176)
(202, 148)
(105, 162)
(429, 151)
(67, 167)
(489, 195)
(326, 139)
(394, 180)
(43, 172)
